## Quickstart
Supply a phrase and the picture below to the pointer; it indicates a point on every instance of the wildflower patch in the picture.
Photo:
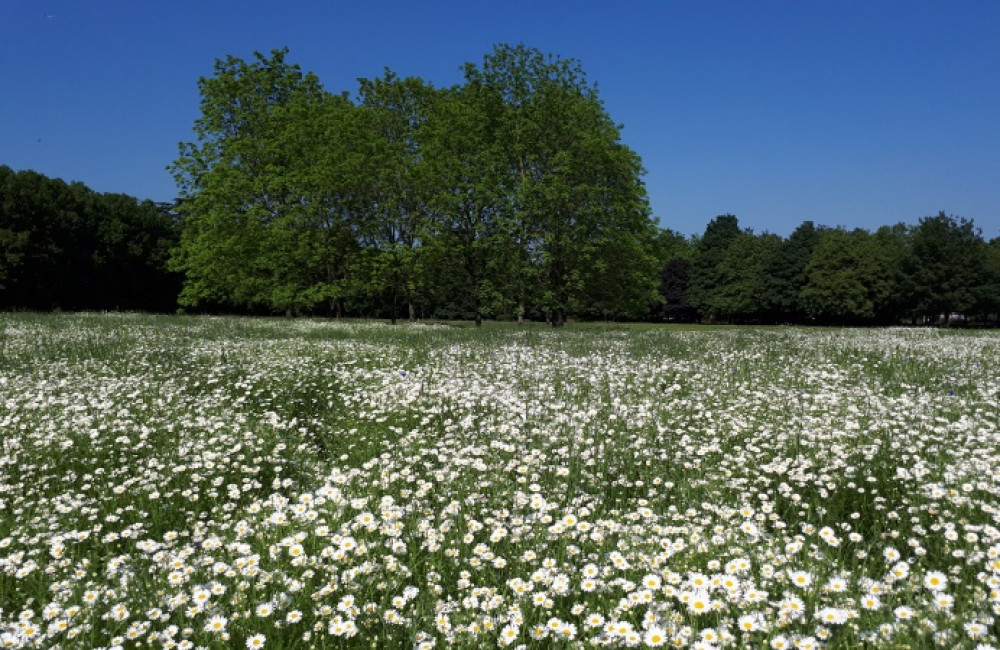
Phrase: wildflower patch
(222, 482)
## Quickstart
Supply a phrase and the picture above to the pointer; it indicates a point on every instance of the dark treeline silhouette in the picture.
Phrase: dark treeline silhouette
(940, 271)
(509, 196)
(64, 246)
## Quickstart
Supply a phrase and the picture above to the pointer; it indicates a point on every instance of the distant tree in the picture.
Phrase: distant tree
(29, 236)
(51, 224)
(893, 249)
(130, 244)
(989, 298)
(66, 246)
(673, 253)
(847, 278)
(741, 277)
(705, 268)
(675, 277)
(948, 263)
(669, 245)
(786, 275)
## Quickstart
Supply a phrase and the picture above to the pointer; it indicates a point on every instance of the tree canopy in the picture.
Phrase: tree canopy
(509, 194)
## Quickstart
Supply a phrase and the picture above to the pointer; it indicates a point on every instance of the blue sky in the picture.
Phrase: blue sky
(854, 113)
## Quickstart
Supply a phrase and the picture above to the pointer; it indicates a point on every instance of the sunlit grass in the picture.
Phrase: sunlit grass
(224, 482)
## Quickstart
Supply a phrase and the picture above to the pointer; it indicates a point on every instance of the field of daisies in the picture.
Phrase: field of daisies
(194, 482)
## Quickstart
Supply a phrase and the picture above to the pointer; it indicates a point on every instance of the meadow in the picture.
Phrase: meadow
(197, 482)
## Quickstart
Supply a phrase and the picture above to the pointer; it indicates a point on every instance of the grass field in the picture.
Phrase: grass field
(185, 482)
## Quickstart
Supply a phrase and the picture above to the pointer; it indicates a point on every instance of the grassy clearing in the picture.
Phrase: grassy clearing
(221, 482)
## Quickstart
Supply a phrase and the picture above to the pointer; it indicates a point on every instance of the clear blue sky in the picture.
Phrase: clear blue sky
(844, 112)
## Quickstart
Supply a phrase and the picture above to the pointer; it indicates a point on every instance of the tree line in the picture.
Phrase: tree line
(509, 196)
(64, 246)
(938, 271)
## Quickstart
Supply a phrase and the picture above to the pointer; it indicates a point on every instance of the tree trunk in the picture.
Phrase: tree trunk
(558, 319)
(478, 311)
(520, 312)
(413, 311)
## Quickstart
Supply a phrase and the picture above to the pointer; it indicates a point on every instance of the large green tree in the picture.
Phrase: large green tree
(313, 247)
(244, 241)
(394, 220)
(572, 191)
(509, 194)
(469, 251)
